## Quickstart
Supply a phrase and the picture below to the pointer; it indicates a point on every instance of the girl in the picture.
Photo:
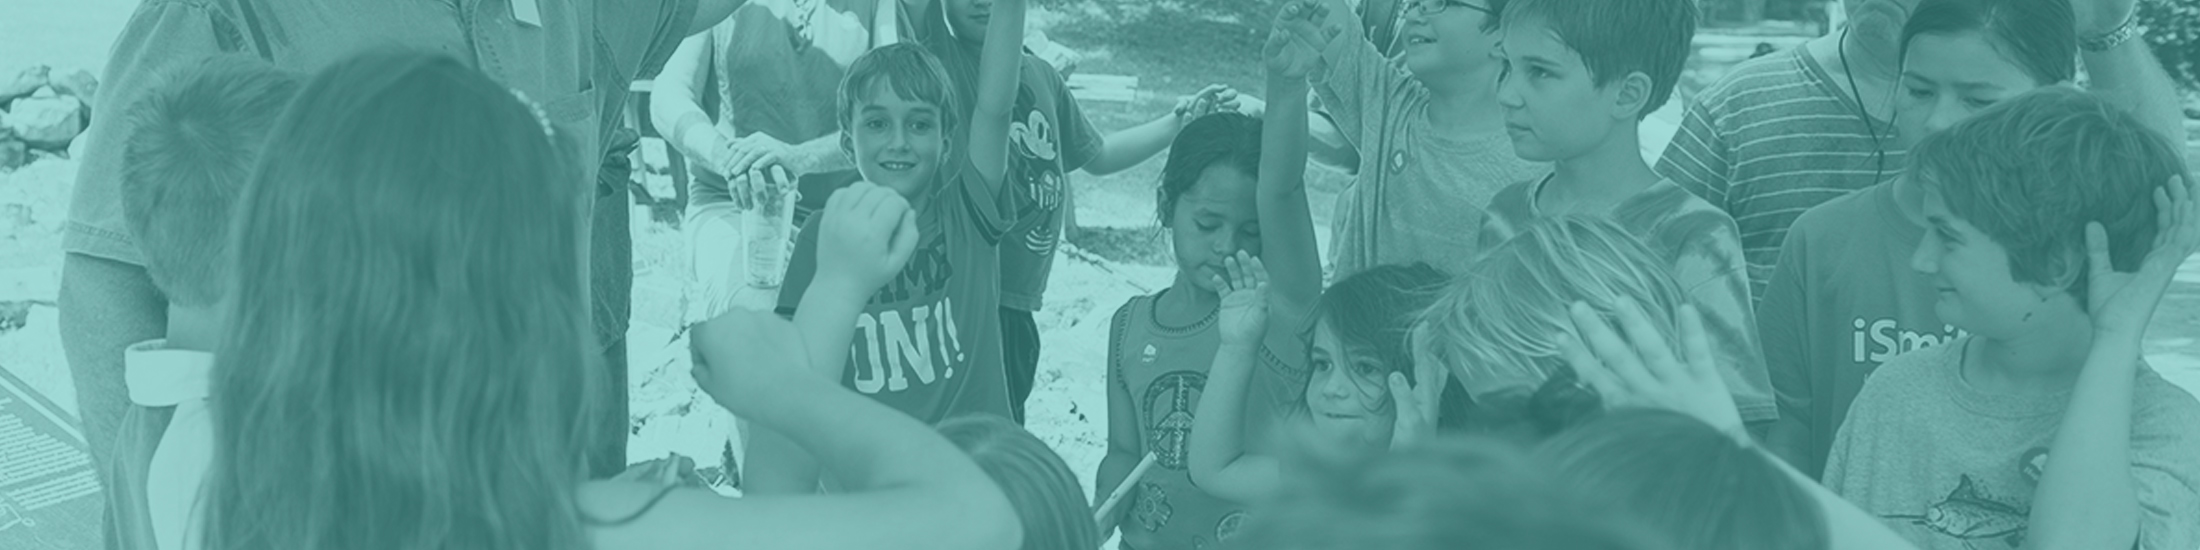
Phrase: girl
(1044, 491)
(412, 365)
(1215, 211)
(1360, 396)
(1848, 278)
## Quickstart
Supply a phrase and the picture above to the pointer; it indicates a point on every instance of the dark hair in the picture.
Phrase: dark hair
(1616, 38)
(1525, 416)
(2039, 35)
(1448, 493)
(911, 72)
(1373, 312)
(1226, 138)
(198, 135)
(2032, 171)
(1701, 488)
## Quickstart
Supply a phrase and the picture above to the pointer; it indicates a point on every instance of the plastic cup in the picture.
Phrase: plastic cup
(768, 227)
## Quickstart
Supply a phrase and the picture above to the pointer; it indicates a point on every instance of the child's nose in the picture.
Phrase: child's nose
(1925, 259)
(1943, 115)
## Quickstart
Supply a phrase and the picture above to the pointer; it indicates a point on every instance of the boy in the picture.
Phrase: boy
(2039, 429)
(1430, 137)
(1580, 76)
(1049, 138)
(200, 136)
(896, 279)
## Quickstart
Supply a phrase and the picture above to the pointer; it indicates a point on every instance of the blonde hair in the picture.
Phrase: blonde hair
(1044, 491)
(409, 363)
(1496, 327)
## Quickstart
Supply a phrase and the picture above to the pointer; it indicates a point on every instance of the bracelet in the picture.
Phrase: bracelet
(2113, 38)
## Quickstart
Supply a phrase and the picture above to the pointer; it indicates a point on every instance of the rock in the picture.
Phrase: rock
(46, 120)
(80, 84)
(13, 154)
(22, 82)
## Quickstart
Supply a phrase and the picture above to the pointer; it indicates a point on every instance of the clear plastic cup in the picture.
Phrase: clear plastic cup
(768, 228)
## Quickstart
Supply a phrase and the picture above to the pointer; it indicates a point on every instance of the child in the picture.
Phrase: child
(1843, 299)
(1705, 489)
(1361, 394)
(200, 135)
(1580, 76)
(1042, 488)
(1498, 330)
(414, 365)
(1049, 138)
(1446, 495)
(2040, 428)
(1430, 137)
(1160, 346)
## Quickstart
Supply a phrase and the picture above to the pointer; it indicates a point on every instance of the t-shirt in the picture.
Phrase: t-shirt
(1954, 468)
(1164, 371)
(929, 342)
(1771, 139)
(1419, 195)
(1843, 301)
(770, 79)
(1048, 138)
(1703, 251)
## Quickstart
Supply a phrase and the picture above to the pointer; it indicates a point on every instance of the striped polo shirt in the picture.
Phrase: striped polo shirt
(1774, 137)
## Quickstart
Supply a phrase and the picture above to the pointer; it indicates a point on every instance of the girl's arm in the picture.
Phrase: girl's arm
(897, 470)
(1287, 225)
(1124, 451)
(1217, 459)
(676, 112)
(2128, 74)
(999, 66)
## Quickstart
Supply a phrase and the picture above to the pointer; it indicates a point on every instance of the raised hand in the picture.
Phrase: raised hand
(1291, 51)
(867, 236)
(1417, 405)
(743, 352)
(2123, 303)
(1640, 370)
(1318, 22)
(1244, 315)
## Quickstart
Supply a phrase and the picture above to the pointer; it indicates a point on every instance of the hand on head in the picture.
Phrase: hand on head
(1640, 370)
(866, 236)
(1212, 99)
(1418, 406)
(2123, 303)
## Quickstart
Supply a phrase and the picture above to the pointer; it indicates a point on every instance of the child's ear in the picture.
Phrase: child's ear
(848, 145)
(1630, 94)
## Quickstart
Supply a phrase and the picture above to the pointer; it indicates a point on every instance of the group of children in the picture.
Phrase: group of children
(379, 335)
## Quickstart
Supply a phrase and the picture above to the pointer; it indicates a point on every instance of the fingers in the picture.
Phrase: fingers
(1650, 347)
(2096, 251)
(1407, 400)
(1588, 368)
(1256, 272)
(743, 190)
(1611, 351)
(904, 244)
(1701, 361)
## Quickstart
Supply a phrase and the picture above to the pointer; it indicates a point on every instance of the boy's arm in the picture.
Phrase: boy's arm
(1130, 146)
(2086, 497)
(1849, 527)
(2128, 75)
(1356, 83)
(709, 12)
(1783, 330)
(999, 70)
(1697, 159)
(1125, 449)
(1217, 459)
(1287, 225)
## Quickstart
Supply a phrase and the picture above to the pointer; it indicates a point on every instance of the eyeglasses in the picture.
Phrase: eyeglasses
(1433, 7)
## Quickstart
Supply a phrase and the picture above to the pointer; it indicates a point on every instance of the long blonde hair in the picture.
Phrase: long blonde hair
(1497, 326)
(408, 363)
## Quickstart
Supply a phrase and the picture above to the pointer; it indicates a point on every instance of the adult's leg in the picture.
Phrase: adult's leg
(106, 306)
(611, 281)
(1020, 356)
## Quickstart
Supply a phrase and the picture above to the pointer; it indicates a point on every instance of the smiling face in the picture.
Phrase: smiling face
(1347, 394)
(1977, 290)
(898, 143)
(1452, 41)
(1554, 109)
(1214, 219)
(1949, 77)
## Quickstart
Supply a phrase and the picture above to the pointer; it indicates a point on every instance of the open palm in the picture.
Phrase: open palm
(2122, 303)
(1244, 316)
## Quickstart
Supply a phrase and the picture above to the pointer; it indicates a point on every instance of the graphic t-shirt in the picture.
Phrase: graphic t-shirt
(1771, 139)
(1951, 467)
(1419, 194)
(929, 342)
(1701, 250)
(1048, 139)
(1164, 371)
(1843, 301)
